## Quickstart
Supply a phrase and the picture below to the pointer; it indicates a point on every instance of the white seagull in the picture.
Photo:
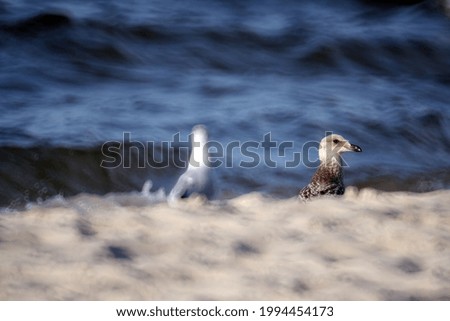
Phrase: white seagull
(197, 178)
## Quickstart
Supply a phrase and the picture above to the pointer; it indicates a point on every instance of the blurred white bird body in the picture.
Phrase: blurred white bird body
(197, 178)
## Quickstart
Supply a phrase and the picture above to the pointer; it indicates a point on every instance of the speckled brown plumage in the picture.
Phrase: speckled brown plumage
(328, 179)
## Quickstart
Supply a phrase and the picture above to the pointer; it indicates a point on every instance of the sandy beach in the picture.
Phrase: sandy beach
(368, 245)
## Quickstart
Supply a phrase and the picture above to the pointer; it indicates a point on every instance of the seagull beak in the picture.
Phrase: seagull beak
(355, 148)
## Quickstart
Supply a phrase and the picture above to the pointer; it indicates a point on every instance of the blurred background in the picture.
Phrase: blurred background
(76, 74)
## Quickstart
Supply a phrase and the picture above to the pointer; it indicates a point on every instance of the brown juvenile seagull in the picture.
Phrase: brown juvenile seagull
(328, 179)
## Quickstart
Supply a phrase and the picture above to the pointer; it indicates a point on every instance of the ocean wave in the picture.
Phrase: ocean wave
(75, 77)
(39, 173)
(302, 46)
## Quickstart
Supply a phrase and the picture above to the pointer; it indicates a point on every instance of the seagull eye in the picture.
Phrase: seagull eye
(336, 141)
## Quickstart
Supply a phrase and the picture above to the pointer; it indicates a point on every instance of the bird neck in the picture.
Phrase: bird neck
(334, 169)
(330, 159)
(199, 154)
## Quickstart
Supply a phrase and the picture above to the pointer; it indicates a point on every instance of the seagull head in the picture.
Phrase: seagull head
(332, 146)
(200, 134)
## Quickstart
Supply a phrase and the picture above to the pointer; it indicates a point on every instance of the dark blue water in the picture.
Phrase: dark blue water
(76, 74)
